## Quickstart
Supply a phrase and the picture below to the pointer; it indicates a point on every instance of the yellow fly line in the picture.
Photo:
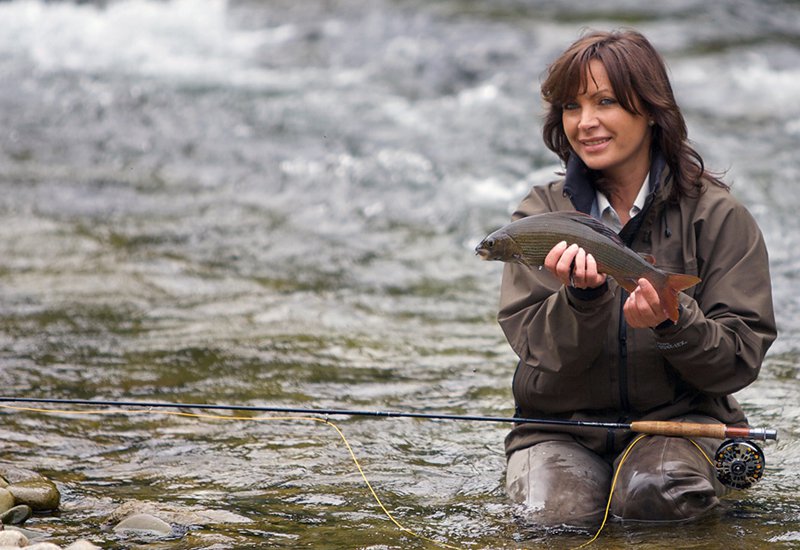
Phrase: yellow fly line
(206, 416)
(346, 443)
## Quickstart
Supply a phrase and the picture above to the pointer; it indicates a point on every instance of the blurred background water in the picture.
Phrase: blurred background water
(272, 202)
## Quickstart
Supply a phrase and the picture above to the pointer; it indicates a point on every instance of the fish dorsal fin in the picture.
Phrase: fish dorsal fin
(594, 224)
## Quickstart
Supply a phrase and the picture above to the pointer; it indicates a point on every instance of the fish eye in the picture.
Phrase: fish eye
(489, 243)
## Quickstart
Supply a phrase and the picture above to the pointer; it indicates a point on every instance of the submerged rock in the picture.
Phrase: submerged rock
(176, 514)
(12, 538)
(144, 524)
(28, 487)
(82, 544)
(38, 493)
(6, 500)
(17, 515)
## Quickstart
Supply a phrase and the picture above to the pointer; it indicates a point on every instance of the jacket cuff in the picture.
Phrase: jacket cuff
(588, 294)
(668, 324)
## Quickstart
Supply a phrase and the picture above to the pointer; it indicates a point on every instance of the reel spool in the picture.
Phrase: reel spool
(739, 463)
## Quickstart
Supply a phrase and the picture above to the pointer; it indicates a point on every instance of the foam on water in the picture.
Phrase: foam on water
(750, 84)
(185, 39)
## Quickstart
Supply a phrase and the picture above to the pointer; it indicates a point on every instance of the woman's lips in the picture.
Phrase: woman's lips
(595, 145)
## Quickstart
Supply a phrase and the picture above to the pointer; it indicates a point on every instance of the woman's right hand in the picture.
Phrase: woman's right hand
(573, 266)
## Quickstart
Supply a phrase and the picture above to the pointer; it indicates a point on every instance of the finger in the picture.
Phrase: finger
(593, 276)
(579, 269)
(634, 315)
(643, 307)
(647, 290)
(649, 299)
(630, 312)
(564, 265)
(551, 260)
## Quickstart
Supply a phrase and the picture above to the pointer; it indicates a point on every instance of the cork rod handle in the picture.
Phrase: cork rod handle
(686, 429)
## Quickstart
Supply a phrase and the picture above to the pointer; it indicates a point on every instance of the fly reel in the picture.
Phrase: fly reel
(739, 463)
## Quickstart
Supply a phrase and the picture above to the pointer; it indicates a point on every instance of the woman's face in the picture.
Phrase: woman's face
(603, 134)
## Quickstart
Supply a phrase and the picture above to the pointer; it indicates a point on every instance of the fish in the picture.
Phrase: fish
(528, 240)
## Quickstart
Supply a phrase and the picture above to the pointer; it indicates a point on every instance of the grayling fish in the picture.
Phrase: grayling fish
(528, 240)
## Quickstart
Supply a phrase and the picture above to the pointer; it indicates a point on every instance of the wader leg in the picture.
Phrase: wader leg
(560, 482)
(667, 479)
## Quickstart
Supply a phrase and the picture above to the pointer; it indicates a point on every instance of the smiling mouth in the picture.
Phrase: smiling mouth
(593, 142)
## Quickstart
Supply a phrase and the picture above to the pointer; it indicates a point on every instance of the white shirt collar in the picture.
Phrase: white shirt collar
(610, 217)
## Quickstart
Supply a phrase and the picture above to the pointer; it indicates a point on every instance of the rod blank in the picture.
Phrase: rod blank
(676, 429)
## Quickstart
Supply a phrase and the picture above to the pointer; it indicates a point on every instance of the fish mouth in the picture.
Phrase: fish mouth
(481, 251)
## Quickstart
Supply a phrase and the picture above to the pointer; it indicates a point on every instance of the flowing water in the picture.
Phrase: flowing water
(275, 203)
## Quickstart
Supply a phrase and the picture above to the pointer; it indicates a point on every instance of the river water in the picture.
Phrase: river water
(275, 203)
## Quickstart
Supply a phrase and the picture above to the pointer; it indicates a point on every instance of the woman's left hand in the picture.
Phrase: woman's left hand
(643, 307)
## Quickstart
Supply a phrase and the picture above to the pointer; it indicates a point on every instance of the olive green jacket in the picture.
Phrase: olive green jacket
(580, 361)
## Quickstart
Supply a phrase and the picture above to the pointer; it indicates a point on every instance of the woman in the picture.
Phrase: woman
(589, 350)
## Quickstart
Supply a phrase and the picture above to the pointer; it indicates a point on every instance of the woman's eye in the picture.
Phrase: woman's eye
(608, 101)
(570, 106)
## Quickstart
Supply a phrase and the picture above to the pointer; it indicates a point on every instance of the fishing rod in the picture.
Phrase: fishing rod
(739, 462)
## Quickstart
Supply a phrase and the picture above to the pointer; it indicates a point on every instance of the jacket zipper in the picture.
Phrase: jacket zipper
(624, 399)
(623, 357)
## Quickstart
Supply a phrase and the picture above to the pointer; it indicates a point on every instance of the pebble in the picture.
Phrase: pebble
(144, 524)
(22, 492)
(12, 539)
(82, 544)
(6, 500)
(16, 515)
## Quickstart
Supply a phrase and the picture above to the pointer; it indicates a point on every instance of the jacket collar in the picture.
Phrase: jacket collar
(579, 181)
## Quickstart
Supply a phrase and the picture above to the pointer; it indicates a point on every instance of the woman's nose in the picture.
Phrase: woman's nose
(588, 119)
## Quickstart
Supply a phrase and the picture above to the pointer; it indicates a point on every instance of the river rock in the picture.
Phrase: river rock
(144, 524)
(43, 546)
(38, 493)
(176, 514)
(6, 500)
(17, 515)
(14, 539)
(82, 544)
(13, 474)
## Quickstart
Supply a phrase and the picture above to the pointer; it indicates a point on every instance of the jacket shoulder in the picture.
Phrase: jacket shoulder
(547, 197)
(719, 203)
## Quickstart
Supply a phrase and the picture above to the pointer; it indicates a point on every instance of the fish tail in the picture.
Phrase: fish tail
(669, 292)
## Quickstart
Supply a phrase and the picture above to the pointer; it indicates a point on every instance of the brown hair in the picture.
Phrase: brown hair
(638, 76)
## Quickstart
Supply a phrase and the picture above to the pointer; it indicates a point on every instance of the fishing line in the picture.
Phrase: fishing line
(739, 463)
(346, 443)
(611, 491)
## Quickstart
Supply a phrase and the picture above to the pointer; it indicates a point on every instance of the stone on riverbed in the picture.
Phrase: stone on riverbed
(6, 500)
(144, 524)
(16, 515)
(12, 539)
(39, 493)
(29, 487)
(82, 544)
(176, 515)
